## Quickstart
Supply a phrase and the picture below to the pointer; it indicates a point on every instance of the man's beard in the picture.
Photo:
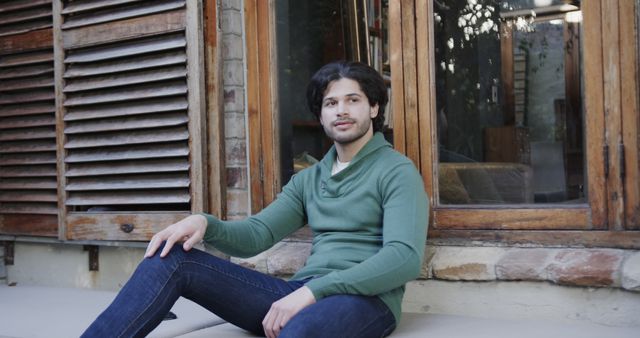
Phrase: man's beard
(349, 137)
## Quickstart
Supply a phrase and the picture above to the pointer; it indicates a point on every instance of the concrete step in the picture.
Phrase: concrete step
(416, 325)
(49, 312)
(27, 311)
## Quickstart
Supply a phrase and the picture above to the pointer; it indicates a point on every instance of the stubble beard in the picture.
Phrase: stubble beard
(348, 137)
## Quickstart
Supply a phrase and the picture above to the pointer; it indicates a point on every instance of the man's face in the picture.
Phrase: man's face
(346, 114)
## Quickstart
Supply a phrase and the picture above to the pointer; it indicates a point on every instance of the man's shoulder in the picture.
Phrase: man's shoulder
(310, 172)
(390, 158)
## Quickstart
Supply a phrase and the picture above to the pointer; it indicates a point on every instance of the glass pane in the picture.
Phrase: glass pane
(509, 102)
(310, 34)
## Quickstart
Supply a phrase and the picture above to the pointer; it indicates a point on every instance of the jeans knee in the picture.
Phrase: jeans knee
(303, 328)
(175, 256)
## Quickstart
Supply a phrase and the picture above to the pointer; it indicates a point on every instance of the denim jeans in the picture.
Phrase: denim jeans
(236, 294)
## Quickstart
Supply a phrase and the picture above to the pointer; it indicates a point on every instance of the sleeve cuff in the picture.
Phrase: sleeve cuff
(322, 287)
(212, 222)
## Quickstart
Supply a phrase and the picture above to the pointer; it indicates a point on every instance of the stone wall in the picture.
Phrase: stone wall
(574, 267)
(611, 268)
(233, 66)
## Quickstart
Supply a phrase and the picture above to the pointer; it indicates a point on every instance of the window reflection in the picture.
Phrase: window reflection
(509, 101)
(310, 34)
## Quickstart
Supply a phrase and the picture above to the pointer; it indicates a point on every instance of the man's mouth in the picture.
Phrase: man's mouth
(343, 122)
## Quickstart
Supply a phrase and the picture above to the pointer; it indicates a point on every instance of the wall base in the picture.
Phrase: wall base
(524, 300)
(59, 265)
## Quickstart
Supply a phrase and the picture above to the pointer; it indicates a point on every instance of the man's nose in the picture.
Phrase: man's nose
(342, 108)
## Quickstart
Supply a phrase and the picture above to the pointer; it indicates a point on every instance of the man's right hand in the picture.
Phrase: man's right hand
(190, 231)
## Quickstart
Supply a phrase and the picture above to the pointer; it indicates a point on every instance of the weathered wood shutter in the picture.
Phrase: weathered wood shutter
(28, 198)
(130, 122)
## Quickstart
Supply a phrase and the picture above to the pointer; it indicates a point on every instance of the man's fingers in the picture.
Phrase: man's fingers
(169, 244)
(268, 323)
(154, 244)
(279, 323)
(192, 241)
(274, 321)
(189, 230)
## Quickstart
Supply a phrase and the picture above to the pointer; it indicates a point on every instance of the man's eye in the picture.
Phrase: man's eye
(329, 103)
(354, 100)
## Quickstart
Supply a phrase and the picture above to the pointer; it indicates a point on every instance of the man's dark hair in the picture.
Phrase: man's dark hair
(371, 83)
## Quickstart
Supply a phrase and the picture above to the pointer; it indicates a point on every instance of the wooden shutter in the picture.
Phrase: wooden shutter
(129, 94)
(28, 198)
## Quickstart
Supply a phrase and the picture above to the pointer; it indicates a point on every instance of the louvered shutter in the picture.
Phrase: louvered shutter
(130, 103)
(28, 195)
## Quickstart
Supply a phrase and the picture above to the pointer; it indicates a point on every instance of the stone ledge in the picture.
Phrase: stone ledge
(283, 259)
(631, 272)
(573, 267)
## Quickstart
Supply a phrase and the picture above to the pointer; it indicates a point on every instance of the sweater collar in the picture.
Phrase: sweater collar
(376, 142)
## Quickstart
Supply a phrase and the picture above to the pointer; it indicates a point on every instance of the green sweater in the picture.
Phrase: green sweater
(369, 224)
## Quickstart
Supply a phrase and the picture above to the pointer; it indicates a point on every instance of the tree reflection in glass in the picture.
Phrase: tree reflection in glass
(509, 101)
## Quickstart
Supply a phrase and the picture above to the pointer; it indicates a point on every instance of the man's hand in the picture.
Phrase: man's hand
(284, 309)
(189, 230)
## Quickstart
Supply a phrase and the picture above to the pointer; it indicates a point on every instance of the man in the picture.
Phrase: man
(366, 206)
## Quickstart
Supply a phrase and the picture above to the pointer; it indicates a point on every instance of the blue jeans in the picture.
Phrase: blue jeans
(236, 294)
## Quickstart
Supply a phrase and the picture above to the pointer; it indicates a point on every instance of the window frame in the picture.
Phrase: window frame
(596, 223)
(630, 57)
(264, 161)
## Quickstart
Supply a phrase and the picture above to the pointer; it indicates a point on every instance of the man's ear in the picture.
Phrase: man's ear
(374, 111)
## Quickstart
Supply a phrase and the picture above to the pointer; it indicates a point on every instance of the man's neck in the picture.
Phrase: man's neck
(346, 151)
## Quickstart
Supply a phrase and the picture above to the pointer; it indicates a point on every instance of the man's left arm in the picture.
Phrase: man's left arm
(405, 207)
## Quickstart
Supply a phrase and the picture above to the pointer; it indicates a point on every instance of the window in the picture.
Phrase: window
(508, 97)
(487, 129)
(310, 35)
(630, 104)
(524, 133)
(286, 137)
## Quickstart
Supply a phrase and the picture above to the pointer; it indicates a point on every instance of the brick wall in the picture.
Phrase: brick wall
(234, 109)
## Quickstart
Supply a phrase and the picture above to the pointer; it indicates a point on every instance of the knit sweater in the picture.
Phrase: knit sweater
(368, 221)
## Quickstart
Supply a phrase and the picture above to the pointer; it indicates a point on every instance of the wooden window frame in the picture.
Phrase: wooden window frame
(596, 223)
(214, 141)
(264, 161)
(630, 96)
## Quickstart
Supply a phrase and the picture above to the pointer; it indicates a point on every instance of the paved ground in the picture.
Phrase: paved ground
(40, 312)
(34, 312)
